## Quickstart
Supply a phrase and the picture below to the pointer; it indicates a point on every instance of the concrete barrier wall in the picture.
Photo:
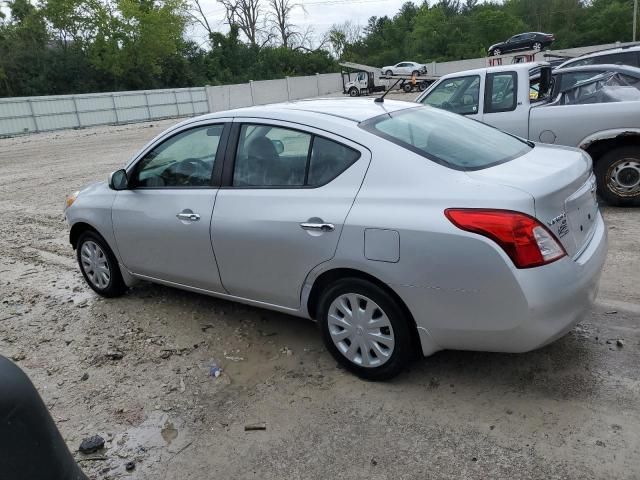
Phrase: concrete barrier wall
(41, 114)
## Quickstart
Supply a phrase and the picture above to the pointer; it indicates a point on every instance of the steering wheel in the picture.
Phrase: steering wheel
(182, 173)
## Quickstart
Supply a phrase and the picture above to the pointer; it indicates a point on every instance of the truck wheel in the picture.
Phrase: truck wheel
(422, 86)
(407, 88)
(618, 176)
(353, 92)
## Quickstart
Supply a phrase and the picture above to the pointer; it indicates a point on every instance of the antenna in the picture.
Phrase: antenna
(381, 99)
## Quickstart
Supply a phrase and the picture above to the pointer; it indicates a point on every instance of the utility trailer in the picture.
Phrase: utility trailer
(409, 83)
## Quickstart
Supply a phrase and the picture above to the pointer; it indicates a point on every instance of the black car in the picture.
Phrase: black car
(523, 41)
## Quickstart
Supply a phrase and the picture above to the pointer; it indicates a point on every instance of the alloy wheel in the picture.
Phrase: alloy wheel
(95, 265)
(361, 330)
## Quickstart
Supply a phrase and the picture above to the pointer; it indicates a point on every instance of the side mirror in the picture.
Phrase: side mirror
(279, 146)
(118, 180)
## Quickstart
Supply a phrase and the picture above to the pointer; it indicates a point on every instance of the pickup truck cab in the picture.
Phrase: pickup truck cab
(506, 98)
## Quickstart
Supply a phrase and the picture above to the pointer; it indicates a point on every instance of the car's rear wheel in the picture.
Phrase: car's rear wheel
(353, 92)
(364, 329)
(618, 176)
(99, 266)
(496, 52)
(388, 73)
(537, 46)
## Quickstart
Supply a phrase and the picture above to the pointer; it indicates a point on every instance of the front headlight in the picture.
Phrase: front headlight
(70, 199)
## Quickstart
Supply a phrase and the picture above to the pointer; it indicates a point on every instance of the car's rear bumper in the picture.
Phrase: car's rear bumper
(542, 305)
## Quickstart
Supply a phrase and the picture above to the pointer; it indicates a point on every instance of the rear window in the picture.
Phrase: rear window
(446, 138)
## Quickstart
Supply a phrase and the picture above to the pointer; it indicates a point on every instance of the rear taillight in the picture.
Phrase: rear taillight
(527, 242)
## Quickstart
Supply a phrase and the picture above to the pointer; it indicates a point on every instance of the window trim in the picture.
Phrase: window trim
(232, 150)
(488, 85)
(214, 180)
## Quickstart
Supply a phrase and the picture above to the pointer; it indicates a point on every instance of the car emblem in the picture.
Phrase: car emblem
(557, 219)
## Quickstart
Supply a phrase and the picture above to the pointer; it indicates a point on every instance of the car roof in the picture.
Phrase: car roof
(633, 71)
(606, 51)
(350, 109)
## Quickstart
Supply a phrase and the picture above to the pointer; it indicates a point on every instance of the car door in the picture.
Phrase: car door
(162, 221)
(513, 44)
(286, 192)
(402, 68)
(501, 104)
(458, 94)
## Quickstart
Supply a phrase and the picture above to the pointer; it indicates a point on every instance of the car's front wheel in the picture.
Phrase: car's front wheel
(618, 176)
(364, 329)
(99, 266)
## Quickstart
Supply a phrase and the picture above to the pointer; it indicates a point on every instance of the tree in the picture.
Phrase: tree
(246, 15)
(281, 19)
(343, 34)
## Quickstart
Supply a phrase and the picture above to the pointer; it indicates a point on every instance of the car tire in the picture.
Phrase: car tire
(376, 308)
(388, 73)
(618, 176)
(353, 92)
(407, 87)
(415, 72)
(99, 266)
(537, 46)
(496, 52)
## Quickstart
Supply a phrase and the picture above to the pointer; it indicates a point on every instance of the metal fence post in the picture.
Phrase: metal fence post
(288, 89)
(206, 94)
(318, 84)
(115, 108)
(175, 97)
(33, 114)
(253, 102)
(75, 106)
(146, 101)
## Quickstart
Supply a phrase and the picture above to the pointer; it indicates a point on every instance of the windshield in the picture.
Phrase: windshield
(446, 138)
(459, 95)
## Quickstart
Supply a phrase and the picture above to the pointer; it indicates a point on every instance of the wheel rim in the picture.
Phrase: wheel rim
(537, 46)
(95, 265)
(361, 330)
(624, 177)
(353, 92)
(496, 53)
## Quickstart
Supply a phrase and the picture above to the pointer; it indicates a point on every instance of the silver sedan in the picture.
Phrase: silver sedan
(398, 228)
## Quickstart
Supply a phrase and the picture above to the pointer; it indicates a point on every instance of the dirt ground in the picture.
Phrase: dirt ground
(136, 369)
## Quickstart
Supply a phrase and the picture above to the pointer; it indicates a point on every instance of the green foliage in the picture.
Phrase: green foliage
(75, 46)
(452, 30)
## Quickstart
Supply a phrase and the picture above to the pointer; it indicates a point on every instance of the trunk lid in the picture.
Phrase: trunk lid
(562, 184)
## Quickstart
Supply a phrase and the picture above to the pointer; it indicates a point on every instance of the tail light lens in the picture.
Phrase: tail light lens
(527, 242)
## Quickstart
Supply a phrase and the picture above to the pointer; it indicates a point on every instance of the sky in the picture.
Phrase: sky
(320, 14)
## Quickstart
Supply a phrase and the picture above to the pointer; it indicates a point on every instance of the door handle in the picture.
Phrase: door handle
(318, 227)
(190, 217)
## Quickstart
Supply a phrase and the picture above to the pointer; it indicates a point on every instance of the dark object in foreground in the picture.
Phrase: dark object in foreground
(130, 466)
(30, 444)
(92, 444)
(254, 427)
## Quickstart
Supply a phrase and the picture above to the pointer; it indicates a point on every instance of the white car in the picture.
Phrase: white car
(405, 68)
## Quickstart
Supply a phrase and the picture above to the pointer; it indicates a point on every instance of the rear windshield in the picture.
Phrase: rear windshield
(446, 138)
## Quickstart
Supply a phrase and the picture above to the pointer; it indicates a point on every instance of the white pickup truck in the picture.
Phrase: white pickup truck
(506, 98)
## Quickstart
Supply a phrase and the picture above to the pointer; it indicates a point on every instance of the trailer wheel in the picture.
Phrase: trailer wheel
(353, 92)
(407, 88)
(422, 86)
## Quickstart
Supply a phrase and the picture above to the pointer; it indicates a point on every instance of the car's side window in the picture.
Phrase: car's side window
(501, 92)
(460, 95)
(184, 160)
(571, 79)
(270, 156)
(623, 58)
(328, 160)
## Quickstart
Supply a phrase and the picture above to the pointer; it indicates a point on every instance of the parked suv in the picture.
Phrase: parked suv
(523, 41)
(620, 56)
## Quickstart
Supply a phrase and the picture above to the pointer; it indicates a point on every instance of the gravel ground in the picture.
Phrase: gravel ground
(136, 369)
